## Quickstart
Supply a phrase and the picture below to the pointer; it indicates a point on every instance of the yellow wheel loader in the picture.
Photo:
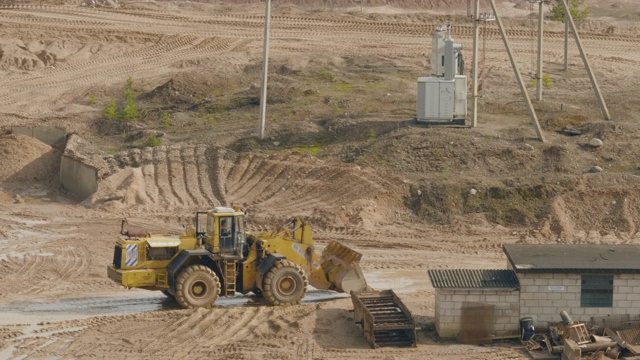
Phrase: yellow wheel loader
(218, 258)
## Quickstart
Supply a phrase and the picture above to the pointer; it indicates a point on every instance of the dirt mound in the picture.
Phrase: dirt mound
(38, 54)
(594, 208)
(605, 206)
(26, 160)
(197, 177)
(510, 204)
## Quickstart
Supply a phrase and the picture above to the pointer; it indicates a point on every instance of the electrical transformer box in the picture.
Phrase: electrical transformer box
(442, 100)
(435, 99)
(442, 97)
(460, 102)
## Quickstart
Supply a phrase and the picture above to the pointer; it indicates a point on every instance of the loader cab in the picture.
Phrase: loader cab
(222, 230)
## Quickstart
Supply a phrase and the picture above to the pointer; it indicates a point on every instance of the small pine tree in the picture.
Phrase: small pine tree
(153, 141)
(111, 111)
(165, 119)
(557, 10)
(128, 92)
(130, 112)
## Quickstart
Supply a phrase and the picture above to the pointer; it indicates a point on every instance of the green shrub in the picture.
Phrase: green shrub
(111, 111)
(557, 10)
(165, 119)
(130, 112)
(153, 141)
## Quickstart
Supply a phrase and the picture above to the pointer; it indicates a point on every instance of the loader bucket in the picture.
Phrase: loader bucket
(341, 267)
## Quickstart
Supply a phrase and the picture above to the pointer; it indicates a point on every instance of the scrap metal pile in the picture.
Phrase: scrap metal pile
(571, 339)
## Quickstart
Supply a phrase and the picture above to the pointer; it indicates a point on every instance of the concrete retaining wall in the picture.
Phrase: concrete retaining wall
(79, 178)
(47, 134)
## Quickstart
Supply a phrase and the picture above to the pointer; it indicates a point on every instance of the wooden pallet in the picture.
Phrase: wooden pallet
(385, 320)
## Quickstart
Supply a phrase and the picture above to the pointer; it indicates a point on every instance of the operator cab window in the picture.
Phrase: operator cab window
(225, 230)
(240, 231)
(225, 225)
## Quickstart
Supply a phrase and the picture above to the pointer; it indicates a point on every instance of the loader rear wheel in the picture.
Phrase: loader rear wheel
(197, 286)
(285, 284)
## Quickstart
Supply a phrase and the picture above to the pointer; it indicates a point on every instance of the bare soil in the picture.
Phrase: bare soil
(341, 150)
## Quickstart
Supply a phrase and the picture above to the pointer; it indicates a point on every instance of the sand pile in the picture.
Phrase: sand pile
(606, 208)
(24, 160)
(281, 185)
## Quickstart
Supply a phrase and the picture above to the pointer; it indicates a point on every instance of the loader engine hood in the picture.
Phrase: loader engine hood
(141, 252)
(156, 241)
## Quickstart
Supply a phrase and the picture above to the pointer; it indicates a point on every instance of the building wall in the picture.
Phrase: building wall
(544, 296)
(449, 310)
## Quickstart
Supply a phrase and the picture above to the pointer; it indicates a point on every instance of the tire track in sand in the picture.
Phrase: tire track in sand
(202, 176)
(191, 177)
(286, 184)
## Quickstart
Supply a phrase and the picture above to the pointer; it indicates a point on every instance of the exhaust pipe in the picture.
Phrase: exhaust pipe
(133, 234)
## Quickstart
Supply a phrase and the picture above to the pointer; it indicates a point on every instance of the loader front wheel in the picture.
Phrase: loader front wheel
(197, 286)
(285, 284)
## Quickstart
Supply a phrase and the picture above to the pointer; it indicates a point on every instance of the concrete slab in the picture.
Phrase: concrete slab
(571, 350)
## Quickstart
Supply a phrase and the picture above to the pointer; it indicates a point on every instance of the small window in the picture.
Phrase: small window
(596, 291)
(240, 224)
(225, 226)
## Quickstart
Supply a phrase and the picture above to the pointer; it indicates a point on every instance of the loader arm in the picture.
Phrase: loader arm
(338, 268)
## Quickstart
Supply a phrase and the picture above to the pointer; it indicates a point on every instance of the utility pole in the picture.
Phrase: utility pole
(476, 22)
(540, 37)
(566, 44)
(265, 68)
(569, 18)
(523, 88)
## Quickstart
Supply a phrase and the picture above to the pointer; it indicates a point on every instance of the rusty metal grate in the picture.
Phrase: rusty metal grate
(614, 322)
(630, 335)
(385, 320)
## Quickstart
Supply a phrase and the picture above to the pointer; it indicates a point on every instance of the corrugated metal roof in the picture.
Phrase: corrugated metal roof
(573, 258)
(474, 279)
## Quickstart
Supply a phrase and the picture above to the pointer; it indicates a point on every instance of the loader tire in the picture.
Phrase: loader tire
(285, 284)
(197, 286)
(167, 294)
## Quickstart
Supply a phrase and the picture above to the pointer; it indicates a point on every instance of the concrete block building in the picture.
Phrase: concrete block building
(476, 304)
(585, 280)
(588, 281)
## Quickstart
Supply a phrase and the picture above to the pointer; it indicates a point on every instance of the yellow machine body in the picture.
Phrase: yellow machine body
(239, 260)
